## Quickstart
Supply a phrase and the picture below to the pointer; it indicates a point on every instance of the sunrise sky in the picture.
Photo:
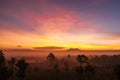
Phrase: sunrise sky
(62, 24)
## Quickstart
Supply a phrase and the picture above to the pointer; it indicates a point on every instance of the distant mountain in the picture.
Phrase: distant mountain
(73, 49)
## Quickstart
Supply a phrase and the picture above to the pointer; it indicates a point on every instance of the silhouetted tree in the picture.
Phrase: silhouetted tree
(68, 62)
(4, 71)
(87, 68)
(66, 66)
(68, 57)
(22, 67)
(82, 59)
(2, 58)
(11, 63)
(52, 59)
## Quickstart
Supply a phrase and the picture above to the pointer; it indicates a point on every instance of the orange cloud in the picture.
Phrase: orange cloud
(49, 48)
(44, 24)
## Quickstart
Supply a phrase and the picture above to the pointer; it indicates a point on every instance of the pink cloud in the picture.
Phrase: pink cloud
(50, 19)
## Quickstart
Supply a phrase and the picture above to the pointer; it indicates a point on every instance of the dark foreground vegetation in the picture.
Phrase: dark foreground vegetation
(79, 67)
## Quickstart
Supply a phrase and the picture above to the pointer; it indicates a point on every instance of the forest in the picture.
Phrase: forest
(80, 67)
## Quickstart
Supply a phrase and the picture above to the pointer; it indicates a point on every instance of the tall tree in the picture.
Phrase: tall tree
(82, 59)
(11, 63)
(2, 58)
(22, 67)
(80, 69)
(5, 73)
(52, 59)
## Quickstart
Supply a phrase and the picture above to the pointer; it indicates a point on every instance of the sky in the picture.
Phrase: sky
(60, 24)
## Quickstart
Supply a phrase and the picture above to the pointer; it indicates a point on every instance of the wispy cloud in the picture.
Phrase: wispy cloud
(42, 23)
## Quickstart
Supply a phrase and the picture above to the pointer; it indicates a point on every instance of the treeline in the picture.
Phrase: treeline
(7, 68)
(17, 69)
(106, 60)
